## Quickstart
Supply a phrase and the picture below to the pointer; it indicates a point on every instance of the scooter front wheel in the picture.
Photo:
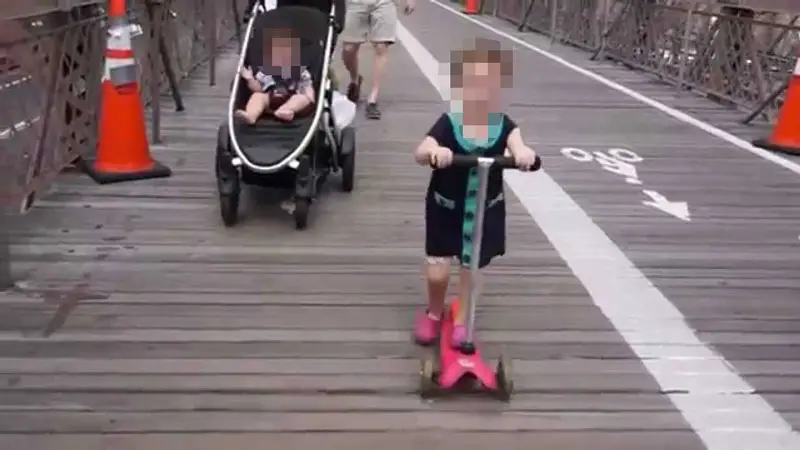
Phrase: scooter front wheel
(504, 379)
(427, 378)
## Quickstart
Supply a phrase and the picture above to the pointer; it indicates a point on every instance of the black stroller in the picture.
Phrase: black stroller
(297, 155)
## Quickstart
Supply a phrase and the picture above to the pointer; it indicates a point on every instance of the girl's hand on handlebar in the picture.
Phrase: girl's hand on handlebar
(247, 74)
(440, 157)
(525, 158)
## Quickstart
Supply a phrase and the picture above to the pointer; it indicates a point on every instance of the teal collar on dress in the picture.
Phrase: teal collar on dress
(471, 144)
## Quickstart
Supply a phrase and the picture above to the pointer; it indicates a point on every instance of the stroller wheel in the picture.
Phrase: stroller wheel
(348, 152)
(229, 187)
(229, 208)
(301, 209)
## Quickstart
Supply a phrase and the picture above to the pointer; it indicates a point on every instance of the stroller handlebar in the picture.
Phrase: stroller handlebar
(502, 162)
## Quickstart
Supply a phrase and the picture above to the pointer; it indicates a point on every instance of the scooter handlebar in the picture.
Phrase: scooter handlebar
(502, 162)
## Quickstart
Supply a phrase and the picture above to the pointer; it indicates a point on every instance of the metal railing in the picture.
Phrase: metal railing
(734, 54)
(51, 62)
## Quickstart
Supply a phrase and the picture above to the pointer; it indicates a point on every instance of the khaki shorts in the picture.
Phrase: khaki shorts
(370, 21)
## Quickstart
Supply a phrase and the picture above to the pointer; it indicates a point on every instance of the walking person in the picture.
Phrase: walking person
(373, 21)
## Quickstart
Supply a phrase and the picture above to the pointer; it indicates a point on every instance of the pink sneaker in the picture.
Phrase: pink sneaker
(426, 329)
(459, 336)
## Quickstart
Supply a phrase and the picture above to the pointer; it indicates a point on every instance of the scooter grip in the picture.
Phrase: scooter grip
(502, 162)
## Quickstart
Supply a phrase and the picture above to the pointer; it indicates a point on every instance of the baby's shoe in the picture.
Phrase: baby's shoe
(426, 329)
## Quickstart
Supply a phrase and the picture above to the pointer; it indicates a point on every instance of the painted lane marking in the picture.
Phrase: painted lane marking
(622, 162)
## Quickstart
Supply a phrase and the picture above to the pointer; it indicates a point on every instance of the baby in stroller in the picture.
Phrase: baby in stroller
(280, 85)
(283, 68)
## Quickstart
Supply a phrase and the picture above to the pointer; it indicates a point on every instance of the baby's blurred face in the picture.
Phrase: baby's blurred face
(281, 52)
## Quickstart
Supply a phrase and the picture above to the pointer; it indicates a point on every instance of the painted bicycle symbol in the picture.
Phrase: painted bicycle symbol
(619, 161)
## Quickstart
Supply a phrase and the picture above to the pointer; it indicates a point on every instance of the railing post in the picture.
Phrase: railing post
(687, 35)
(609, 26)
(155, 15)
(524, 21)
(6, 279)
(211, 23)
(237, 21)
(766, 103)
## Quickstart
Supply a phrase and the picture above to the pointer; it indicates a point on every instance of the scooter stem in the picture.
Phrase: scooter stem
(483, 166)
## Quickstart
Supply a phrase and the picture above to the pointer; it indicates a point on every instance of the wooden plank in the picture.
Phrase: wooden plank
(161, 335)
(294, 366)
(338, 366)
(407, 383)
(298, 402)
(325, 349)
(297, 317)
(574, 439)
(188, 422)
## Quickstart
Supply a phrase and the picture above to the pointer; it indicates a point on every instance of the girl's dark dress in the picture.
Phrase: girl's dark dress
(452, 194)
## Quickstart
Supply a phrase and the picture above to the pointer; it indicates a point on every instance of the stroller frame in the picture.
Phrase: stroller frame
(323, 149)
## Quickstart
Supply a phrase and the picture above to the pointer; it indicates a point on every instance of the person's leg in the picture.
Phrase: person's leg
(353, 35)
(255, 107)
(350, 59)
(437, 276)
(464, 289)
(382, 35)
(378, 71)
(295, 104)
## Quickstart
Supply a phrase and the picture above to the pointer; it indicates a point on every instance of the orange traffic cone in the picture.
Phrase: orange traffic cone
(786, 134)
(123, 153)
(471, 7)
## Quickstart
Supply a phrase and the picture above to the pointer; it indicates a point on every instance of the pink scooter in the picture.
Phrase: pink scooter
(456, 369)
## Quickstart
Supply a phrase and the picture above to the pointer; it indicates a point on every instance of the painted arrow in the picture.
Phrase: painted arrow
(658, 201)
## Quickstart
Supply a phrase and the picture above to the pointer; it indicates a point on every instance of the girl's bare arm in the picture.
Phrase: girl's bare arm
(515, 143)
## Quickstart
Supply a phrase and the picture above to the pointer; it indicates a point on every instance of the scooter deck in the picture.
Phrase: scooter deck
(456, 365)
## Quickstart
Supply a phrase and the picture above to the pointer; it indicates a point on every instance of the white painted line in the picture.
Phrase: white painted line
(18, 127)
(672, 112)
(651, 325)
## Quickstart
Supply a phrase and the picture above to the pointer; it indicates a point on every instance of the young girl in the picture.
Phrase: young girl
(477, 128)
(280, 85)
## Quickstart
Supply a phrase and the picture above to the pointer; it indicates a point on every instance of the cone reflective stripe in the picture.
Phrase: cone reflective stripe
(785, 136)
(123, 152)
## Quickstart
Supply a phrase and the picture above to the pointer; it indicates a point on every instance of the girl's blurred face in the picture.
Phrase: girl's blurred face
(481, 83)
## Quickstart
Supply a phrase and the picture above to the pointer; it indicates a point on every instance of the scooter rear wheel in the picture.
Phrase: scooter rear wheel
(504, 379)
(427, 378)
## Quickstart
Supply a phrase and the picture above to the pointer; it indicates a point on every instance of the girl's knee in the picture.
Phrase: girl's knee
(437, 269)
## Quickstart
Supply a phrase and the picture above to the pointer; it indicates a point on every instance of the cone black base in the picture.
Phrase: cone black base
(157, 171)
(767, 145)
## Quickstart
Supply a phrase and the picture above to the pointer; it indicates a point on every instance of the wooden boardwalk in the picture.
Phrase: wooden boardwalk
(140, 322)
